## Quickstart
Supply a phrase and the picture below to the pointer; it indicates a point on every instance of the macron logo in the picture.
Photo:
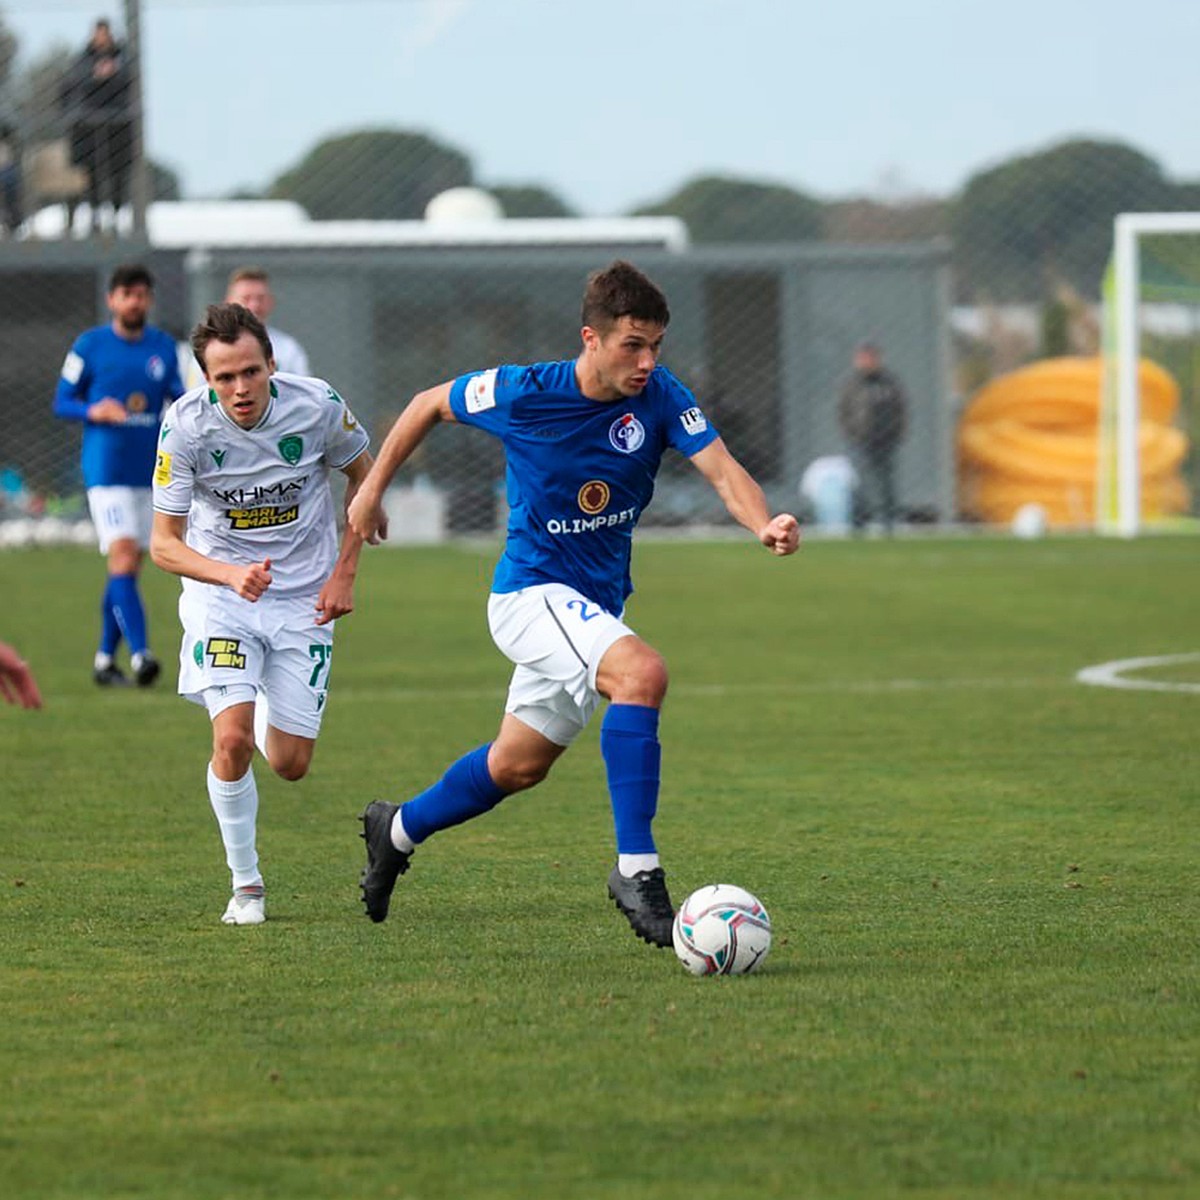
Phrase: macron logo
(481, 392)
(693, 421)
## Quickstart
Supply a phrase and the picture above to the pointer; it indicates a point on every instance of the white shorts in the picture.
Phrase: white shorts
(121, 512)
(556, 637)
(233, 649)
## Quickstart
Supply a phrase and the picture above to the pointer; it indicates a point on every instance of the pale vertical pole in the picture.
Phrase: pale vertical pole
(1129, 352)
(139, 176)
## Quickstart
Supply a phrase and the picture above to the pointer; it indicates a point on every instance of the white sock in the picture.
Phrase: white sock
(102, 661)
(260, 723)
(400, 839)
(236, 807)
(630, 864)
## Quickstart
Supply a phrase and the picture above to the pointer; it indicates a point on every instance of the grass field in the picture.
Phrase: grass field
(982, 875)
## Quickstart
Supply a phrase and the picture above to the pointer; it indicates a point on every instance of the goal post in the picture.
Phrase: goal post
(1119, 478)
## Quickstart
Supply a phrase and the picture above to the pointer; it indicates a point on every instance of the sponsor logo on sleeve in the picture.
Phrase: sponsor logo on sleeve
(627, 434)
(156, 368)
(72, 368)
(481, 392)
(693, 421)
(162, 468)
(349, 424)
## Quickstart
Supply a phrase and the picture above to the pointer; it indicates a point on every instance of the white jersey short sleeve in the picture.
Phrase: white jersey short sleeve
(258, 493)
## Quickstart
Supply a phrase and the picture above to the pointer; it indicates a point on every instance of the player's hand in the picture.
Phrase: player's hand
(336, 599)
(17, 684)
(250, 582)
(367, 518)
(781, 534)
(107, 412)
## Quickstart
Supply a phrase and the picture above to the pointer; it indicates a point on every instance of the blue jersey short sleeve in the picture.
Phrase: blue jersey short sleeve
(144, 376)
(580, 472)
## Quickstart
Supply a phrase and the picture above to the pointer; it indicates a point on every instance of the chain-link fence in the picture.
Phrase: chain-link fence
(393, 270)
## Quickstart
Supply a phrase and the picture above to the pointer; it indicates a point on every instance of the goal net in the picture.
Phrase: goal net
(1150, 408)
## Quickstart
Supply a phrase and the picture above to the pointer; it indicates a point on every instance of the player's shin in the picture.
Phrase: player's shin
(633, 759)
(466, 790)
(235, 804)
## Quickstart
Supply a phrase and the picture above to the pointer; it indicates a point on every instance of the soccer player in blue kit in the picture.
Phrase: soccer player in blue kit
(118, 379)
(584, 439)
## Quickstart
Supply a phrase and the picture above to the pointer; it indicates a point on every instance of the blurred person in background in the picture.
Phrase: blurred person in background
(17, 684)
(98, 105)
(251, 288)
(119, 379)
(873, 415)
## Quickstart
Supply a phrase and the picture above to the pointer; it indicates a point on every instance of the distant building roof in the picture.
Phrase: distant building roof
(218, 224)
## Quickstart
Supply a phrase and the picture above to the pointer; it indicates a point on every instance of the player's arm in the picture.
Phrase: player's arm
(337, 596)
(425, 410)
(744, 499)
(70, 396)
(169, 551)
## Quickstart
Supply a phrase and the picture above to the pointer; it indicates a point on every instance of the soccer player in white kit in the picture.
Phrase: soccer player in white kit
(244, 513)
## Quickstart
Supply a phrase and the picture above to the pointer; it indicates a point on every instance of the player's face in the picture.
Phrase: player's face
(620, 361)
(130, 306)
(240, 375)
(254, 295)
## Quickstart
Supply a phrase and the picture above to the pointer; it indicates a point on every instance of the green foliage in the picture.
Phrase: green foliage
(1032, 223)
(984, 983)
(530, 200)
(718, 209)
(376, 174)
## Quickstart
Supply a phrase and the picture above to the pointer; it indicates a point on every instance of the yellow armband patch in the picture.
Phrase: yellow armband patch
(162, 469)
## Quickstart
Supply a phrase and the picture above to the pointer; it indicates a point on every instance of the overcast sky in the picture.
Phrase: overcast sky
(613, 104)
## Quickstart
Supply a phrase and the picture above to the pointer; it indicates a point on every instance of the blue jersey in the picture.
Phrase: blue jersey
(580, 471)
(144, 376)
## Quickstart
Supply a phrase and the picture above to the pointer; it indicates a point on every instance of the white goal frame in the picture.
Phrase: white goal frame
(1128, 229)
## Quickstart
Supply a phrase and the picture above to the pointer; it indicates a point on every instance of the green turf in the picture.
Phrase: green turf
(982, 876)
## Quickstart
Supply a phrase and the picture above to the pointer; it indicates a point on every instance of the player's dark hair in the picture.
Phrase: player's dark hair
(226, 323)
(129, 275)
(621, 290)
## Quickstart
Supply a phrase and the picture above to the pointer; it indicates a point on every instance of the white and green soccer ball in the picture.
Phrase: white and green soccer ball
(721, 930)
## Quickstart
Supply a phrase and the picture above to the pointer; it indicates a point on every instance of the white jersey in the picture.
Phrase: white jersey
(290, 357)
(258, 493)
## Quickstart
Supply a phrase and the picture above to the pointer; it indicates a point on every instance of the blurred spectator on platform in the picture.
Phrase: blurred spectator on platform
(98, 100)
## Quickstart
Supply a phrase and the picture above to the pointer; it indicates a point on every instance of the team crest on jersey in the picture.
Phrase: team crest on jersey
(627, 434)
(135, 402)
(593, 496)
(291, 447)
(226, 652)
(156, 368)
(162, 468)
(481, 392)
(693, 421)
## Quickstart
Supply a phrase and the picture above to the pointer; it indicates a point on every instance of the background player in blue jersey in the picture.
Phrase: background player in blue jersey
(118, 379)
(583, 439)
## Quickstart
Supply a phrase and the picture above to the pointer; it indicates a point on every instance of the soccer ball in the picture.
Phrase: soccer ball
(721, 930)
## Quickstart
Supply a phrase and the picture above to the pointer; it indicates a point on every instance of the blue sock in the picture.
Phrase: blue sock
(110, 631)
(633, 757)
(465, 791)
(127, 608)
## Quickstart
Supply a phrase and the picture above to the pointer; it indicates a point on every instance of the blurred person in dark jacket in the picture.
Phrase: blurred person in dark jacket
(98, 105)
(873, 415)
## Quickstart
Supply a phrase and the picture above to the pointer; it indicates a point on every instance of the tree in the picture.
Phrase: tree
(1034, 222)
(529, 200)
(379, 174)
(719, 209)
